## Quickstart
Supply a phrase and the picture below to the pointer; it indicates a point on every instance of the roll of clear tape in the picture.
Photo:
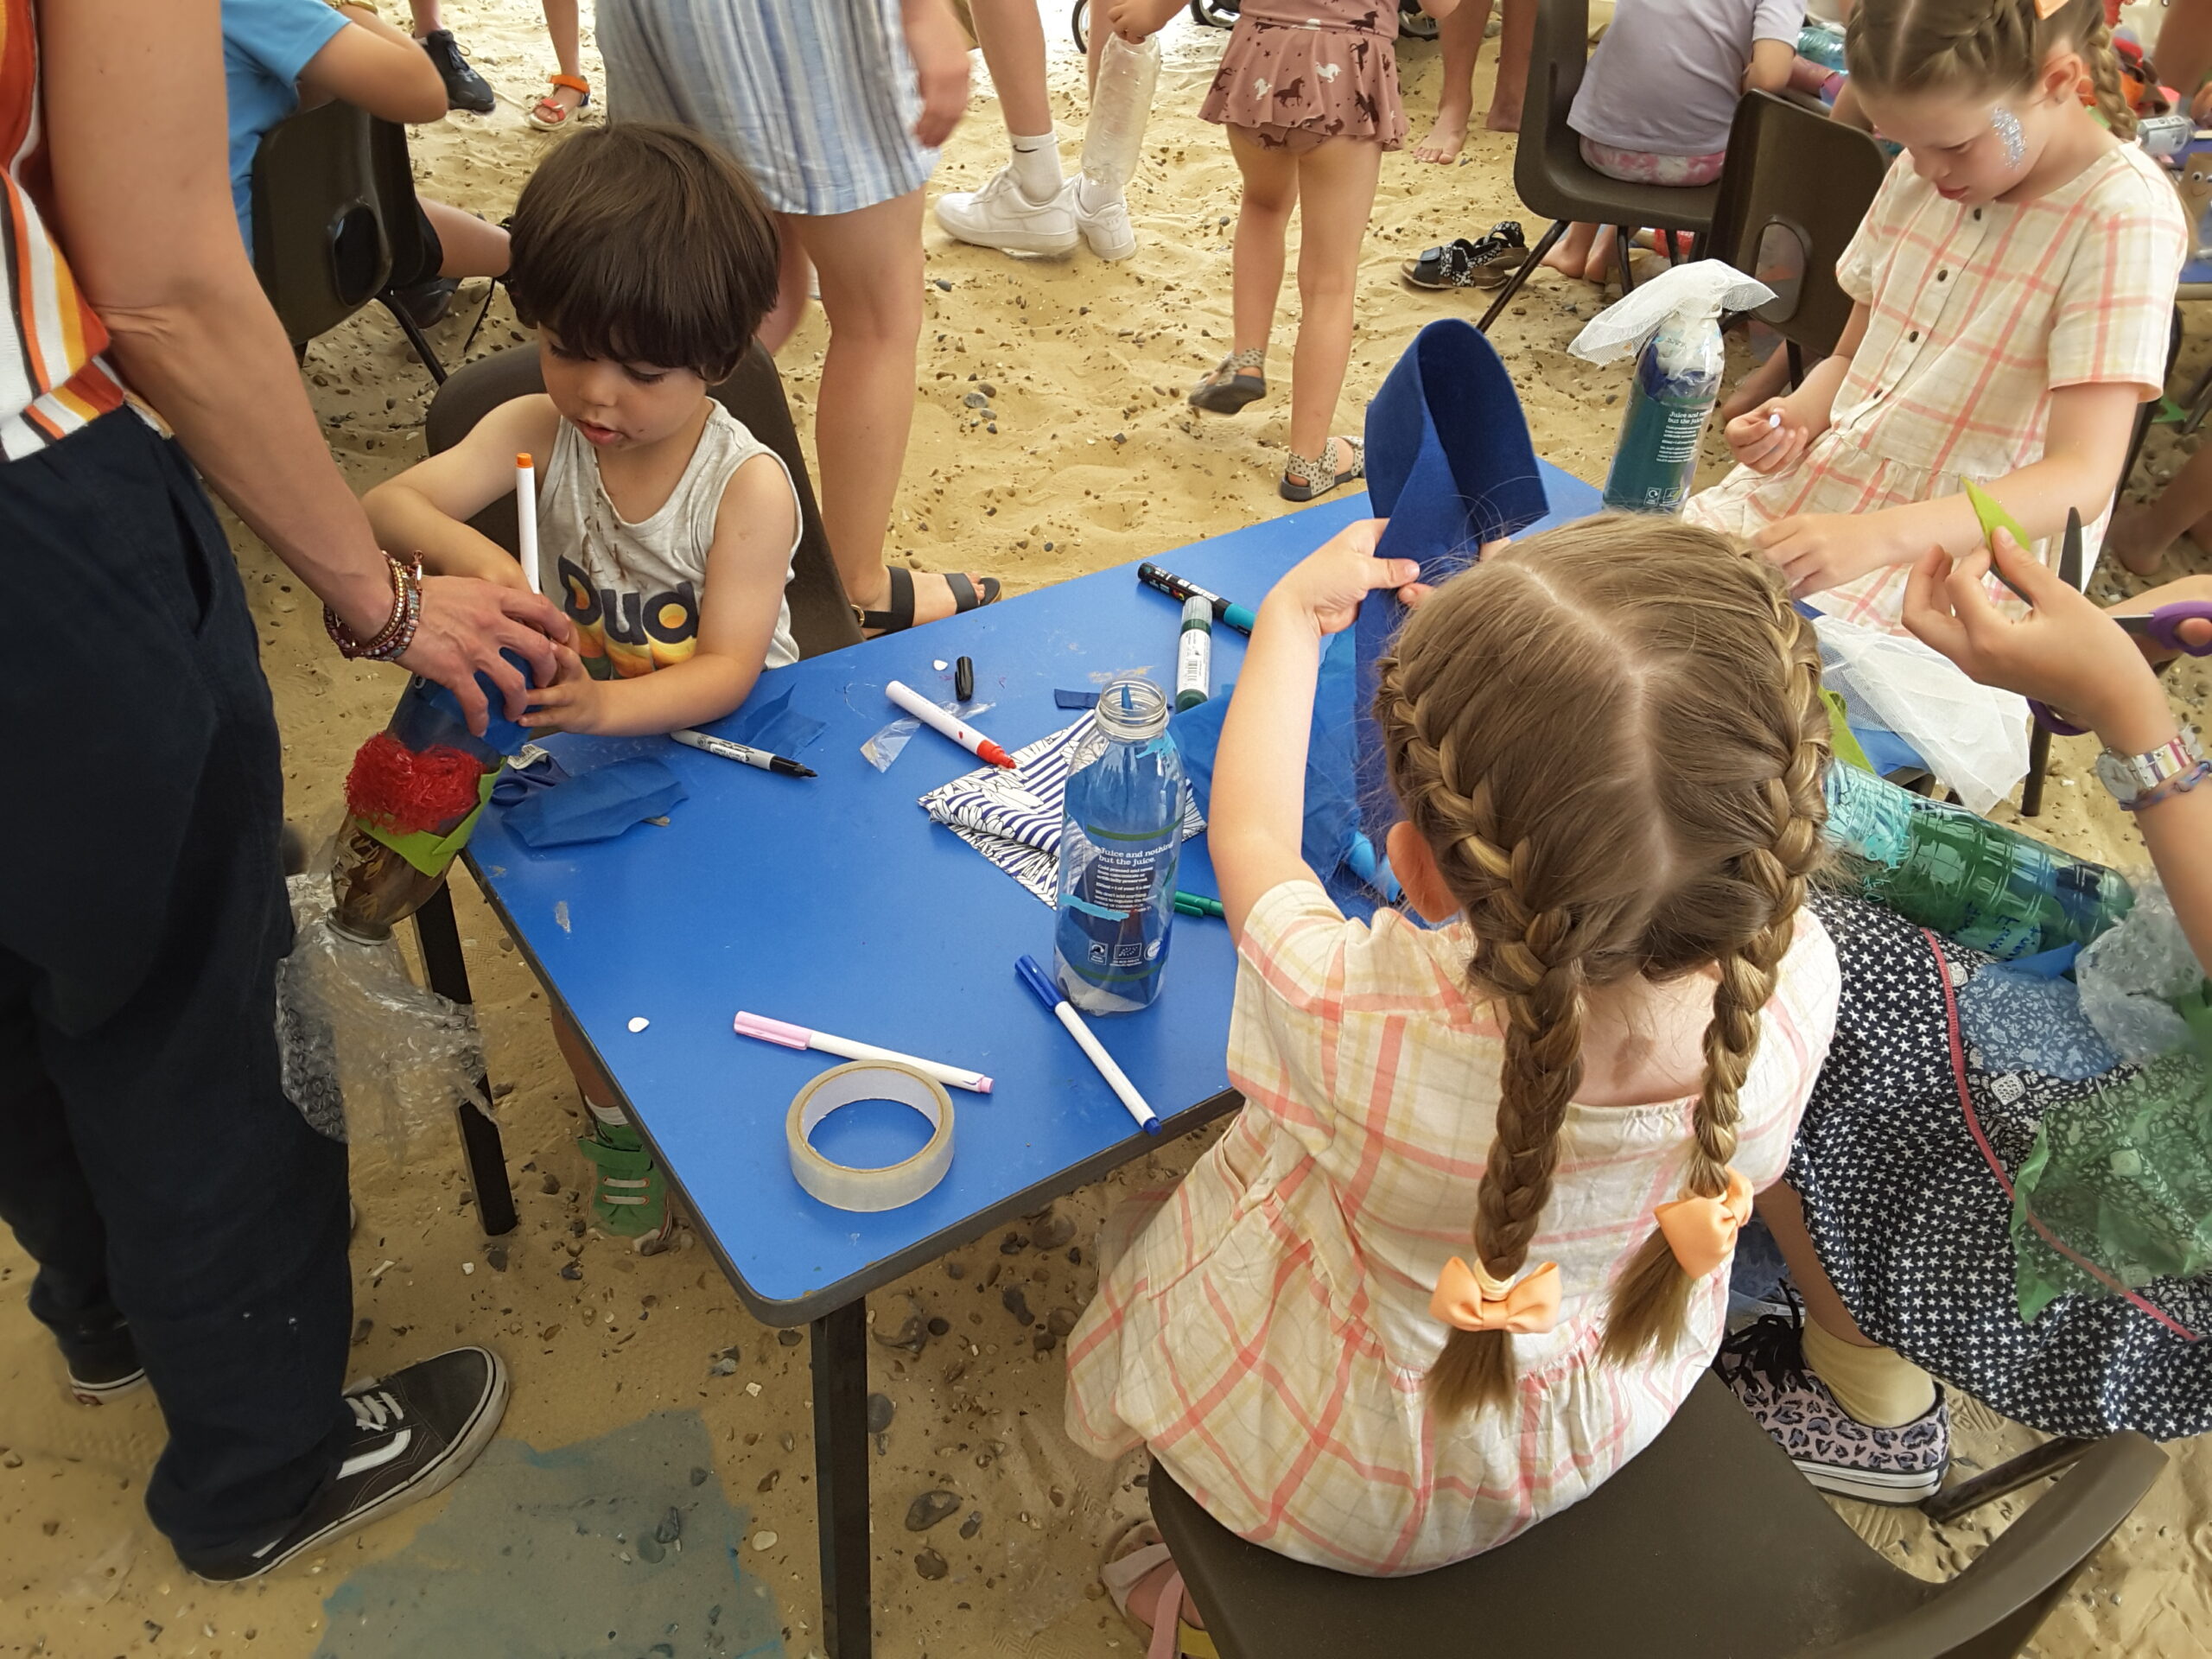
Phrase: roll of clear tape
(843, 1187)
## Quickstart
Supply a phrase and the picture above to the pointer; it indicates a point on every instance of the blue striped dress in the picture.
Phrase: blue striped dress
(816, 96)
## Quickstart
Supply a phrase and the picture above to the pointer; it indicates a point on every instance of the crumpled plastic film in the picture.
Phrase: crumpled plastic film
(369, 1057)
(2131, 975)
(1974, 737)
(1702, 288)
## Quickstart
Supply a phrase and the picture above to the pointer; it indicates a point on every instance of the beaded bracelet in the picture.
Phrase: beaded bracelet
(397, 634)
(2181, 784)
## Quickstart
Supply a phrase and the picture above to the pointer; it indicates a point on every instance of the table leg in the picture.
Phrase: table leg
(446, 968)
(840, 1356)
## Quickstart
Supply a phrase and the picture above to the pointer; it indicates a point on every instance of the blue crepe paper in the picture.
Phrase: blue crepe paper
(772, 724)
(597, 805)
(1450, 464)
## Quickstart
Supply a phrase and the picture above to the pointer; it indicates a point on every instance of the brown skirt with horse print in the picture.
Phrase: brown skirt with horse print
(1295, 73)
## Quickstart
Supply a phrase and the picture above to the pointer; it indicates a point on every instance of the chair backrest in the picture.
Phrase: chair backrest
(1653, 1564)
(1795, 187)
(822, 618)
(319, 243)
(1548, 148)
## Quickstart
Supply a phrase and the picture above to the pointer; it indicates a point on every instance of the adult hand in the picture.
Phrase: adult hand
(466, 623)
(939, 50)
(1327, 585)
(2065, 652)
(1769, 438)
(1819, 551)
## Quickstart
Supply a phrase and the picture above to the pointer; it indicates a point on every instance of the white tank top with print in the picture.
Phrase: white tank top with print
(632, 590)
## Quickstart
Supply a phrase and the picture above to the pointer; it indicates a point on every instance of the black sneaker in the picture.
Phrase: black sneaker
(426, 303)
(103, 1366)
(465, 88)
(413, 1433)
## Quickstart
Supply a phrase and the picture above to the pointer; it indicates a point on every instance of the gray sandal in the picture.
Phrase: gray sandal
(1308, 479)
(1237, 382)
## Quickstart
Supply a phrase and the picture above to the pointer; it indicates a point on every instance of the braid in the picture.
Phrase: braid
(2104, 74)
(1650, 1306)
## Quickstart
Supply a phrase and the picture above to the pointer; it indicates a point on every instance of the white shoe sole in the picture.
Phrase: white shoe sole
(1872, 1486)
(1012, 241)
(99, 1394)
(432, 1480)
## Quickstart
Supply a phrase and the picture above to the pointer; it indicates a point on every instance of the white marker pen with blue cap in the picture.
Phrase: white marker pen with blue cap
(1034, 977)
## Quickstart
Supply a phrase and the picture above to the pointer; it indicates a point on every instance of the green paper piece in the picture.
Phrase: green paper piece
(1994, 517)
(2170, 413)
(429, 853)
(1841, 744)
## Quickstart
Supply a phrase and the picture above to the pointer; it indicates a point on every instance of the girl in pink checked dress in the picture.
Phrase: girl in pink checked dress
(2014, 280)
(1464, 1251)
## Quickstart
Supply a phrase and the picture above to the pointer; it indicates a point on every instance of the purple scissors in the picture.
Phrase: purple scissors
(2161, 626)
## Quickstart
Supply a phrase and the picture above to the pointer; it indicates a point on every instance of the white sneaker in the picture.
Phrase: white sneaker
(1108, 228)
(1000, 216)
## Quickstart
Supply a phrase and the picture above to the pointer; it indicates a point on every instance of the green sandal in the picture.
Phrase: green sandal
(629, 1199)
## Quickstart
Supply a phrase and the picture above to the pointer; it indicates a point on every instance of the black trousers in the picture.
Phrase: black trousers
(148, 1158)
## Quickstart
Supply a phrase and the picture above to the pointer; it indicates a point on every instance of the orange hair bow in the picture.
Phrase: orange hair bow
(1468, 1299)
(1701, 1232)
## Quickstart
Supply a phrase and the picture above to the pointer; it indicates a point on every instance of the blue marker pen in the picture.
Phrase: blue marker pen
(1039, 980)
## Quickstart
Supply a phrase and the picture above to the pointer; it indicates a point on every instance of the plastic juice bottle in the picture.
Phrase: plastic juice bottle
(1121, 105)
(1986, 887)
(1120, 839)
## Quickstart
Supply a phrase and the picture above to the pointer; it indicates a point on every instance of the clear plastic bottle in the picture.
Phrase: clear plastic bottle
(1121, 105)
(1951, 870)
(1677, 382)
(1121, 840)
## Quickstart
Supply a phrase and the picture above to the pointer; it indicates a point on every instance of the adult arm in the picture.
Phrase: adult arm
(374, 65)
(2069, 654)
(134, 110)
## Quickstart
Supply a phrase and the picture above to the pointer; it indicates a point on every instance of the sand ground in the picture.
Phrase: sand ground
(1096, 461)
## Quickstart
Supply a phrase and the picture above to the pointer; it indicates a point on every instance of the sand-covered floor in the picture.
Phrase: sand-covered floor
(1096, 461)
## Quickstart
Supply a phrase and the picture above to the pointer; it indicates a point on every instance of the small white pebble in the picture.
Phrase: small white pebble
(639, 1022)
(764, 1540)
(753, 1388)
(468, 1266)
(939, 663)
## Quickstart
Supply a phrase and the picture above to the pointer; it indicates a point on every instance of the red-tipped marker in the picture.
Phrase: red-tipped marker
(958, 730)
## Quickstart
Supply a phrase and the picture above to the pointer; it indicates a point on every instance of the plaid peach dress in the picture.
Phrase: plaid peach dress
(1977, 314)
(1264, 1327)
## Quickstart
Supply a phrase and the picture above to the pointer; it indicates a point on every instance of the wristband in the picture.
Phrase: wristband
(397, 635)
(2173, 787)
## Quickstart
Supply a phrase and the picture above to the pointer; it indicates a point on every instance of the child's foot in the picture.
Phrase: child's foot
(1570, 255)
(1309, 477)
(1238, 380)
(1764, 1365)
(1598, 265)
(629, 1199)
(555, 109)
(1447, 136)
(1141, 1576)
(2127, 543)
(1503, 117)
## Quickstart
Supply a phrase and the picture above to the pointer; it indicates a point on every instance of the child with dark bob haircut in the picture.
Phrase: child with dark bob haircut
(645, 258)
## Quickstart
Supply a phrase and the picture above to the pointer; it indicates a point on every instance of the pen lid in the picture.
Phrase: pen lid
(770, 1031)
(1039, 980)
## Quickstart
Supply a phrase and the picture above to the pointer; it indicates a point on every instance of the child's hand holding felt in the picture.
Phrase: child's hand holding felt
(1325, 588)
(1769, 438)
(572, 703)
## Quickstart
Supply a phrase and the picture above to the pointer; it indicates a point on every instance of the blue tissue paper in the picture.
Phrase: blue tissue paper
(597, 805)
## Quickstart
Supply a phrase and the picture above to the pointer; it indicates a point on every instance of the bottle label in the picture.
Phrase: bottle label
(1657, 457)
(1193, 668)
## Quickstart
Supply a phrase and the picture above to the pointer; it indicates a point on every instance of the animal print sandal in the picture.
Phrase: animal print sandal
(1309, 477)
(1237, 382)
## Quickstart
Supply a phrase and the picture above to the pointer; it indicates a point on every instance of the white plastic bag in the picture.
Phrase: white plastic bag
(2131, 976)
(1702, 288)
(1974, 737)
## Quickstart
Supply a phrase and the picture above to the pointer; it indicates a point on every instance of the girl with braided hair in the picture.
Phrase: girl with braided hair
(1463, 1253)
(2014, 280)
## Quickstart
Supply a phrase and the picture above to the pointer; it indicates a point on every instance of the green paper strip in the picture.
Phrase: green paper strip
(1994, 517)
(431, 853)
(1841, 743)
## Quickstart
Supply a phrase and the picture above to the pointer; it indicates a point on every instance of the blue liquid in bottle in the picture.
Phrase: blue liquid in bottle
(1121, 840)
(1677, 382)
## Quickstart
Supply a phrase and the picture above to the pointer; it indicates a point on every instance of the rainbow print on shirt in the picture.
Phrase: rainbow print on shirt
(624, 634)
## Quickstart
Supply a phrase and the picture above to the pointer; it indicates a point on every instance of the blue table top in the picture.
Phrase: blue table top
(835, 903)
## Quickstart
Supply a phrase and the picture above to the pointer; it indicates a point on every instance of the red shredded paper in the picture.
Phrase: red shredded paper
(397, 789)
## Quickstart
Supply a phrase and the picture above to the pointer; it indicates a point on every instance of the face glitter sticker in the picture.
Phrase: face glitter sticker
(2007, 128)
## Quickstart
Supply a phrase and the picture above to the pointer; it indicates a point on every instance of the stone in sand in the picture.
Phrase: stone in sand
(1017, 1304)
(930, 1508)
(931, 1565)
(880, 1413)
(1053, 1233)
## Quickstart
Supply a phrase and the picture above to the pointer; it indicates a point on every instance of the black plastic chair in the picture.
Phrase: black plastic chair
(1550, 175)
(333, 217)
(1709, 1546)
(1795, 190)
(822, 618)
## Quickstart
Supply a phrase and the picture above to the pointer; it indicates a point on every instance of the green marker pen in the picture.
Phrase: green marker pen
(1196, 904)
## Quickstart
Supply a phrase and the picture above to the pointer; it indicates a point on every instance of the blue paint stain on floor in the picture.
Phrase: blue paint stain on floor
(603, 1549)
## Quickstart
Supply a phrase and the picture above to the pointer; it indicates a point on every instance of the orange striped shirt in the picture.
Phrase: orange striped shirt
(52, 376)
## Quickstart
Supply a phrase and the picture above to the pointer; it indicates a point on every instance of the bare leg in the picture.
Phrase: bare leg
(1012, 35)
(472, 248)
(560, 24)
(425, 17)
(1784, 1215)
(2184, 45)
(1459, 37)
(1514, 46)
(1601, 254)
(1336, 192)
(2140, 536)
(870, 267)
(1570, 255)
(1263, 225)
(591, 1081)
(795, 272)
